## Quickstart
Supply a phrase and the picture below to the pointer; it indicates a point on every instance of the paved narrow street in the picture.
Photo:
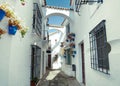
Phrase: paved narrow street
(58, 78)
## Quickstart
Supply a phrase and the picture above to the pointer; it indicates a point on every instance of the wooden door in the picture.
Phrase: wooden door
(49, 61)
(32, 62)
(83, 63)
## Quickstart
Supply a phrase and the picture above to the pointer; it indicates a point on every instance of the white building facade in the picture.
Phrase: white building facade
(91, 54)
(15, 51)
(89, 70)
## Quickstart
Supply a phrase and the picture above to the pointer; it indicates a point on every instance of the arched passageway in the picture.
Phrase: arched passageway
(62, 28)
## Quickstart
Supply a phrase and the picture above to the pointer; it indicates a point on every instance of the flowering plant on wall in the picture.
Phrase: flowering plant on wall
(8, 11)
(17, 25)
(2, 32)
(23, 31)
(22, 2)
(72, 45)
(15, 22)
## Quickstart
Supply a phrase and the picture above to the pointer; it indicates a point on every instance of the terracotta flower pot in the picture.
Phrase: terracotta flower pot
(33, 83)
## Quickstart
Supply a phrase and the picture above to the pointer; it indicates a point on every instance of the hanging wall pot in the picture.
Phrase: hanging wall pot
(74, 52)
(12, 29)
(64, 56)
(2, 14)
(73, 34)
(73, 55)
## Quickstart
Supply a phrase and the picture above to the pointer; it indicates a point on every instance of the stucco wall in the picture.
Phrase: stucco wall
(90, 16)
(15, 51)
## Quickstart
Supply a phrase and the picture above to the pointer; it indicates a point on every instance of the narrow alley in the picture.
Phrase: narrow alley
(58, 78)
(59, 42)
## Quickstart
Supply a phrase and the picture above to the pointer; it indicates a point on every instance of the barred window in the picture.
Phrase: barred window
(68, 28)
(68, 59)
(98, 48)
(37, 19)
(78, 3)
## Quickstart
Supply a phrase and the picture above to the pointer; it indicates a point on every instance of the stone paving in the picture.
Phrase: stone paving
(60, 79)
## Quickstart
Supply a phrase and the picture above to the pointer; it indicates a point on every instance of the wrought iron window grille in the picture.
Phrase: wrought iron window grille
(78, 3)
(98, 48)
(37, 20)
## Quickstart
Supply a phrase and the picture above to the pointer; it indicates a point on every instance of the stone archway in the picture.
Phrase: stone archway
(65, 15)
(58, 14)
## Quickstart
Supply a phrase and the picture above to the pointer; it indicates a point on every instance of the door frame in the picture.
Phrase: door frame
(82, 63)
(35, 59)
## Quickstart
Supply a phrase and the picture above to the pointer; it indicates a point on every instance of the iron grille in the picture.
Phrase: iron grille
(37, 20)
(67, 29)
(98, 48)
(78, 3)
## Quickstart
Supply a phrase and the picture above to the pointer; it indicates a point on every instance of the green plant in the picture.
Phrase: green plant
(35, 80)
(22, 2)
(23, 32)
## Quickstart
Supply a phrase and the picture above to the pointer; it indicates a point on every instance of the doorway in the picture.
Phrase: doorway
(83, 62)
(43, 65)
(35, 61)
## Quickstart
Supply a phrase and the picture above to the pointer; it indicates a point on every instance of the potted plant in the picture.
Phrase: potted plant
(72, 34)
(2, 32)
(34, 81)
(12, 28)
(2, 11)
(23, 32)
(8, 11)
(72, 45)
(22, 2)
(2, 14)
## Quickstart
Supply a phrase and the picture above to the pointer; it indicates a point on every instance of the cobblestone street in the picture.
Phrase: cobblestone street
(60, 79)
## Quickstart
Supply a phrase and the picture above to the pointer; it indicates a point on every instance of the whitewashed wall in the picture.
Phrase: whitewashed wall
(83, 24)
(15, 51)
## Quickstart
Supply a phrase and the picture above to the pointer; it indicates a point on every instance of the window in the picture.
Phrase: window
(68, 57)
(98, 48)
(68, 28)
(37, 20)
(78, 3)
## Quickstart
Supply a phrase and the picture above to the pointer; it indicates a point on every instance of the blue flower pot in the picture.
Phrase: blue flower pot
(73, 34)
(64, 56)
(2, 14)
(73, 56)
(73, 46)
(74, 52)
(12, 30)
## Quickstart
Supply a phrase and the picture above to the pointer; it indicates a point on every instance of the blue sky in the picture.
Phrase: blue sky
(56, 20)
(59, 3)
(52, 31)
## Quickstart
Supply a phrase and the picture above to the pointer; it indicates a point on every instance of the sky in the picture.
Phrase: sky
(59, 3)
(55, 20)
(52, 31)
